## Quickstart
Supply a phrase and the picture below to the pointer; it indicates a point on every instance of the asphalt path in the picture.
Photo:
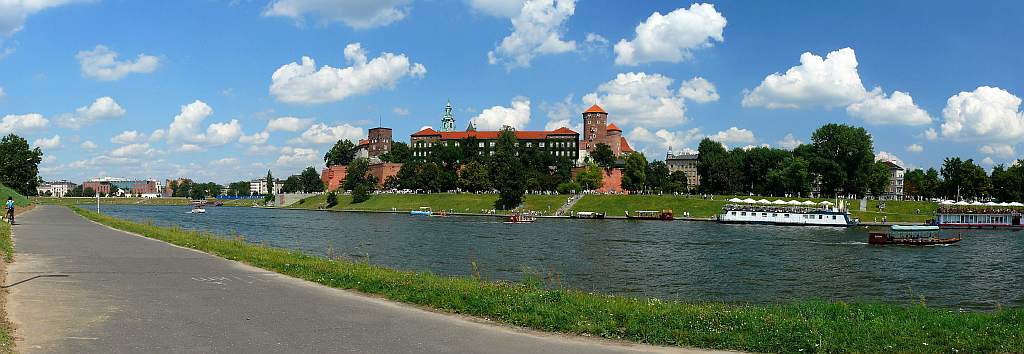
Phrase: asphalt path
(80, 287)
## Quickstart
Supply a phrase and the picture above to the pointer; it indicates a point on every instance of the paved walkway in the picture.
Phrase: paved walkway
(116, 292)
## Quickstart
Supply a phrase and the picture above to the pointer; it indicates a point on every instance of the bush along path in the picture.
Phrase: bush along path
(801, 326)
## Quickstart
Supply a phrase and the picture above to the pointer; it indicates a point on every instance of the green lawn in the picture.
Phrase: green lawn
(458, 203)
(542, 304)
(111, 201)
(240, 202)
(617, 205)
(897, 211)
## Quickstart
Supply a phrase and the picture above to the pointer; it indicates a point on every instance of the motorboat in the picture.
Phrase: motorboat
(650, 215)
(587, 215)
(198, 207)
(422, 211)
(911, 235)
(521, 217)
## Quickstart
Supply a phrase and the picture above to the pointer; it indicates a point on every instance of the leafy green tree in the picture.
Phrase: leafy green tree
(720, 171)
(591, 178)
(1008, 183)
(342, 153)
(964, 178)
(677, 183)
(878, 178)
(332, 199)
(510, 179)
(843, 158)
(658, 176)
(240, 188)
(19, 164)
(361, 193)
(113, 190)
(634, 174)
(568, 188)
(757, 163)
(792, 177)
(292, 184)
(355, 175)
(603, 155)
(270, 183)
(399, 153)
(310, 181)
(475, 177)
(88, 192)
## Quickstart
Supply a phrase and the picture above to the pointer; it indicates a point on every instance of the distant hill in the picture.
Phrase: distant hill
(5, 192)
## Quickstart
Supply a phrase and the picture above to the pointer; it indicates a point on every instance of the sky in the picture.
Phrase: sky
(225, 90)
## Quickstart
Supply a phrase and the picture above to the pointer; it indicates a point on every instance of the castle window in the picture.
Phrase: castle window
(481, 144)
(540, 144)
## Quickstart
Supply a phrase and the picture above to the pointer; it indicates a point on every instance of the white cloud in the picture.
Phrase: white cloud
(987, 161)
(516, 116)
(537, 30)
(498, 8)
(561, 114)
(665, 139)
(1004, 150)
(640, 98)
(987, 113)
(88, 145)
(400, 111)
(133, 150)
(128, 137)
(3, 93)
(899, 108)
(158, 135)
(931, 134)
(699, 90)
(915, 148)
(258, 138)
(48, 143)
(23, 123)
(672, 37)
(186, 125)
(190, 148)
(223, 133)
(595, 43)
(289, 124)
(101, 64)
(227, 161)
(298, 157)
(305, 83)
(103, 108)
(734, 136)
(13, 14)
(320, 134)
(885, 156)
(829, 82)
(358, 14)
(789, 142)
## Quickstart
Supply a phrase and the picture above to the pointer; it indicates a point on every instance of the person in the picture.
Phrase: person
(10, 209)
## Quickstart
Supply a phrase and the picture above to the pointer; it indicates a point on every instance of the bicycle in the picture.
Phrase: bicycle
(10, 216)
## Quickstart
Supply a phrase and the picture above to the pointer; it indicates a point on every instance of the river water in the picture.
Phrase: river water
(692, 261)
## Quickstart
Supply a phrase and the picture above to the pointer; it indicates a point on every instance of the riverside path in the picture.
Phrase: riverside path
(80, 287)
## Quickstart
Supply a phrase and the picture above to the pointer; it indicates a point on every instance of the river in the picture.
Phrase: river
(691, 261)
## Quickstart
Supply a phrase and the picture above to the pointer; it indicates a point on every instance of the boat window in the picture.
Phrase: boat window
(833, 217)
(732, 213)
(774, 215)
(743, 213)
(819, 217)
(764, 214)
(787, 215)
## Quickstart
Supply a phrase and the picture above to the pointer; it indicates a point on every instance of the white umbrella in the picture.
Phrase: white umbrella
(1004, 204)
(748, 200)
(1016, 204)
(962, 203)
(947, 202)
(808, 203)
(826, 203)
(763, 201)
(977, 203)
(779, 202)
(991, 204)
(793, 202)
(735, 200)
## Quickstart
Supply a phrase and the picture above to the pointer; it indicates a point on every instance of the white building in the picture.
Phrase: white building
(895, 188)
(55, 189)
(259, 186)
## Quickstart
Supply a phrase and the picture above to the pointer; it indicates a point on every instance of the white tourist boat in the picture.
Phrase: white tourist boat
(198, 207)
(782, 212)
(978, 215)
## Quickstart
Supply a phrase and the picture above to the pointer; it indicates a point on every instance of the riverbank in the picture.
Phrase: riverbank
(540, 303)
(69, 201)
(462, 203)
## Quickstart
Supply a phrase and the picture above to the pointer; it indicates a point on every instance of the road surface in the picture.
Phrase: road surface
(78, 287)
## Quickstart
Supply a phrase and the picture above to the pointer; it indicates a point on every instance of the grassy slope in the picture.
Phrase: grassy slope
(897, 211)
(19, 199)
(459, 203)
(7, 249)
(617, 205)
(804, 326)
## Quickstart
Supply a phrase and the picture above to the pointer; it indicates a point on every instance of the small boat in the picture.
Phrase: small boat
(198, 207)
(521, 217)
(650, 215)
(440, 214)
(588, 215)
(218, 203)
(911, 235)
(423, 211)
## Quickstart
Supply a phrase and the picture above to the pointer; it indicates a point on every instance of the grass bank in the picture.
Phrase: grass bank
(459, 203)
(19, 199)
(809, 326)
(617, 205)
(7, 250)
(68, 201)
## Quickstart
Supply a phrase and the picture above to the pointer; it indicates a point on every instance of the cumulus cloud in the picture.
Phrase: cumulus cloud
(133, 150)
(319, 134)
(1004, 150)
(358, 14)
(186, 125)
(23, 123)
(157, 135)
(498, 8)
(258, 138)
(227, 161)
(699, 90)
(223, 133)
(190, 148)
(899, 108)
(88, 145)
(128, 137)
(295, 157)
(595, 43)
(931, 134)
(885, 156)
(915, 148)
(14, 13)
(516, 116)
(48, 143)
(987, 113)
(3, 93)
(537, 30)
(665, 139)
(830, 82)
(103, 108)
(789, 142)
(561, 114)
(647, 99)
(987, 161)
(101, 64)
(734, 136)
(672, 37)
(288, 124)
(307, 84)
(400, 111)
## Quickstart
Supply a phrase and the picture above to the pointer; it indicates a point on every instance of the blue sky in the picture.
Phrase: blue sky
(927, 79)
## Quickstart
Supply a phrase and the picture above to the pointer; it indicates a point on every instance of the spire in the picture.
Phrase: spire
(471, 127)
(448, 120)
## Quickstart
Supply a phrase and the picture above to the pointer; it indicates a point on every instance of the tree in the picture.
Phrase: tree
(1008, 183)
(355, 175)
(342, 153)
(603, 155)
(361, 193)
(475, 177)
(878, 178)
(510, 180)
(399, 153)
(292, 184)
(238, 189)
(658, 176)
(792, 176)
(758, 162)
(568, 188)
(19, 164)
(677, 183)
(591, 178)
(843, 158)
(113, 190)
(634, 174)
(332, 199)
(88, 192)
(720, 171)
(310, 181)
(964, 179)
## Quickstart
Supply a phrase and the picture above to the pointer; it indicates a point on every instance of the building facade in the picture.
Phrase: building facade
(334, 176)
(895, 188)
(57, 189)
(377, 142)
(684, 162)
(124, 186)
(597, 130)
(259, 186)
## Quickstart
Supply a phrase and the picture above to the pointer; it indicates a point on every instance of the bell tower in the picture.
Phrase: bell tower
(595, 127)
(448, 120)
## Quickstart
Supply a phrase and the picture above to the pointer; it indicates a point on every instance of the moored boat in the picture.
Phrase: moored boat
(650, 215)
(911, 235)
(822, 214)
(963, 215)
(521, 217)
(587, 215)
(422, 211)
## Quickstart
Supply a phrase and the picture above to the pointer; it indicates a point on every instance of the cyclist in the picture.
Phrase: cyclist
(10, 210)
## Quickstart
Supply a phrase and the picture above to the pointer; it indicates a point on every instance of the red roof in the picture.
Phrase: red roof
(624, 145)
(612, 127)
(520, 134)
(595, 109)
(363, 142)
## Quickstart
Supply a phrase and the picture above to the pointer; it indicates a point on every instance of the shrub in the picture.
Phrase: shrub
(360, 194)
(332, 199)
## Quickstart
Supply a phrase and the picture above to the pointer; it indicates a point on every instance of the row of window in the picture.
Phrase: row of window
(805, 216)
